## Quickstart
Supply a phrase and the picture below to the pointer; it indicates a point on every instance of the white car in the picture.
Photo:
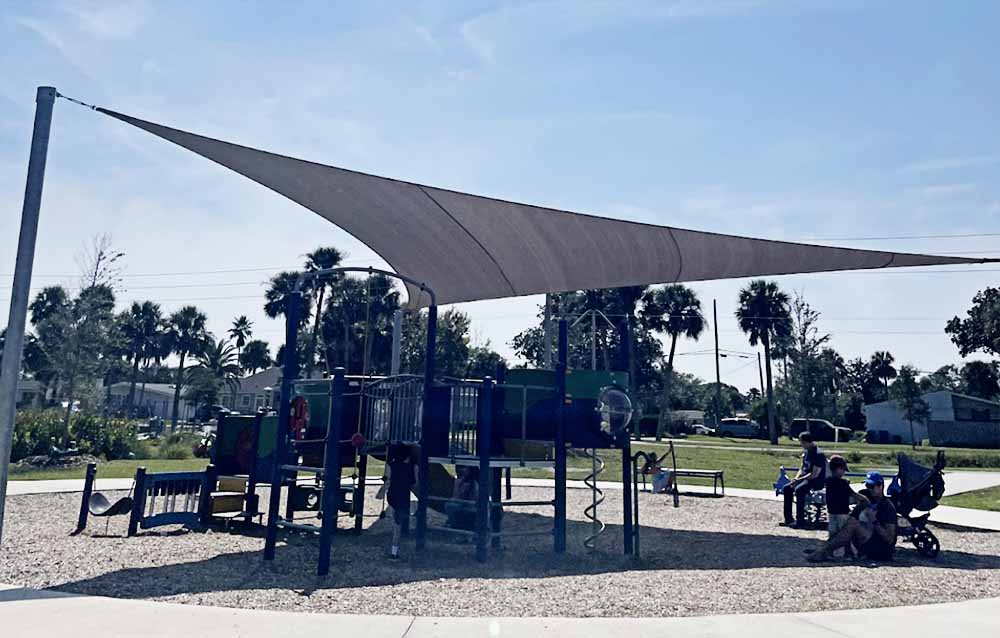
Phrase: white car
(698, 428)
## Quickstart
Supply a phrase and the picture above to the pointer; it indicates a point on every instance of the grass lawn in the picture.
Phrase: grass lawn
(988, 499)
(113, 469)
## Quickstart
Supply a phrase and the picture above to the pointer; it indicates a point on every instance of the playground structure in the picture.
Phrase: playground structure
(522, 419)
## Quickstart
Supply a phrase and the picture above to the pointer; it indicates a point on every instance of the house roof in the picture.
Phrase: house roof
(467, 247)
(154, 388)
(940, 392)
(255, 383)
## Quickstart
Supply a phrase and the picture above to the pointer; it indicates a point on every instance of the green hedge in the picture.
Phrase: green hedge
(35, 431)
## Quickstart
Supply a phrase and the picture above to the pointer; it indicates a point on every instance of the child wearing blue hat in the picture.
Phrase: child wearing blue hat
(871, 529)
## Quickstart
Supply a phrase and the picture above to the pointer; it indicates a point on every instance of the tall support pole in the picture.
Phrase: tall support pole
(718, 377)
(289, 372)
(593, 340)
(10, 368)
(331, 472)
(547, 333)
(397, 340)
(626, 444)
(423, 468)
(560, 442)
(483, 440)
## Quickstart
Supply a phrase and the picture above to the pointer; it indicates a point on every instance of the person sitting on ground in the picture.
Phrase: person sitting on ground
(871, 528)
(811, 477)
(839, 497)
(461, 510)
(401, 480)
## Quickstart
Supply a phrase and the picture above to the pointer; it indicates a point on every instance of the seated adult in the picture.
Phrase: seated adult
(811, 476)
(871, 527)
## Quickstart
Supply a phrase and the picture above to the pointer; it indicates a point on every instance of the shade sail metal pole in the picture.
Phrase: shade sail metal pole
(10, 368)
(397, 340)
(718, 378)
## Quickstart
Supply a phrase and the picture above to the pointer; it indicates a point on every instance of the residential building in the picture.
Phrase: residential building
(956, 420)
(257, 391)
(152, 400)
(29, 392)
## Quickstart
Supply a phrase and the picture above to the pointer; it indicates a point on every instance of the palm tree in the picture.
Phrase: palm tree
(319, 259)
(187, 338)
(674, 310)
(220, 360)
(255, 356)
(882, 368)
(764, 316)
(141, 326)
(240, 333)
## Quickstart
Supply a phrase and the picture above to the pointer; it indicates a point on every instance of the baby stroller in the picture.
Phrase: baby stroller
(919, 488)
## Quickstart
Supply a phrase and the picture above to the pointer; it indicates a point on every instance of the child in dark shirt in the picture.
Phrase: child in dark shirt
(401, 480)
(839, 496)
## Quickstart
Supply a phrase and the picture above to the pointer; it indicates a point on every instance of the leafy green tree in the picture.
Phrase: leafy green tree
(908, 396)
(142, 329)
(357, 323)
(240, 332)
(979, 379)
(256, 356)
(980, 330)
(73, 337)
(946, 377)
(451, 350)
(187, 337)
(484, 362)
(675, 311)
(763, 315)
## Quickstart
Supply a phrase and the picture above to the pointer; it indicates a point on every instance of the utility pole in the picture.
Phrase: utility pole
(10, 368)
(718, 378)
(760, 370)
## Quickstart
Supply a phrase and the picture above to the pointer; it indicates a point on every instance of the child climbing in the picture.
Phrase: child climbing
(401, 479)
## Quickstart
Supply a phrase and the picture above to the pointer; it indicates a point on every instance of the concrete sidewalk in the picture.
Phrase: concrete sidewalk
(28, 612)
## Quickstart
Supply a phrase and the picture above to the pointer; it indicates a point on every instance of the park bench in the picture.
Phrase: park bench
(717, 476)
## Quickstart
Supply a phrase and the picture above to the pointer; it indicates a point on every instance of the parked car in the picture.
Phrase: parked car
(821, 429)
(704, 430)
(739, 427)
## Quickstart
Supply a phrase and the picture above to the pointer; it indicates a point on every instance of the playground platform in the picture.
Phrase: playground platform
(25, 612)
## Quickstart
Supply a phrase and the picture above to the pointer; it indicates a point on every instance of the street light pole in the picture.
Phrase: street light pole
(718, 378)
(10, 367)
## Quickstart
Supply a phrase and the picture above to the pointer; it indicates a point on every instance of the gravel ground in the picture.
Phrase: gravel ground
(711, 556)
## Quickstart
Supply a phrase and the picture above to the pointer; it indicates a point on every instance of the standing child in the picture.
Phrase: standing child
(401, 480)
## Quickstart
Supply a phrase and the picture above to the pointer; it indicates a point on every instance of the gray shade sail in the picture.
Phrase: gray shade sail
(466, 247)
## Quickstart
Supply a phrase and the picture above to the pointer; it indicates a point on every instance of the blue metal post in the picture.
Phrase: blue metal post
(331, 472)
(483, 435)
(423, 468)
(290, 370)
(138, 501)
(627, 490)
(560, 443)
(88, 489)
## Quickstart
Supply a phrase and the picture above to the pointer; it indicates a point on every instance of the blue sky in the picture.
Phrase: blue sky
(791, 120)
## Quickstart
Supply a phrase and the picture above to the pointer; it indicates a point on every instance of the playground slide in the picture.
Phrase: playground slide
(441, 484)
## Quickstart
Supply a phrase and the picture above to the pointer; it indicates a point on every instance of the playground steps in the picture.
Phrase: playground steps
(230, 495)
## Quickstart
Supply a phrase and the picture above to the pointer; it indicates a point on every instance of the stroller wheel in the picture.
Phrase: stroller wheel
(927, 543)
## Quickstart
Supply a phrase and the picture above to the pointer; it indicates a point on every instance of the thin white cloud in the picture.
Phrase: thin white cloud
(945, 190)
(951, 163)
(488, 32)
(109, 19)
(52, 37)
